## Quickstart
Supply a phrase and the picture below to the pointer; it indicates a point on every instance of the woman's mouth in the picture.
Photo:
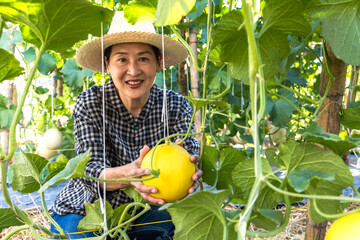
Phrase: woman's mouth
(134, 83)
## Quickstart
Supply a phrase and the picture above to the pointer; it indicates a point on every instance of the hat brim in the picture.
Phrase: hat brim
(89, 55)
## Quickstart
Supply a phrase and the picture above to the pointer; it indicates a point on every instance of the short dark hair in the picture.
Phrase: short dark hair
(156, 51)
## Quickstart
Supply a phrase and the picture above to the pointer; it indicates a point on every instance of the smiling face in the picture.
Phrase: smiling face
(133, 67)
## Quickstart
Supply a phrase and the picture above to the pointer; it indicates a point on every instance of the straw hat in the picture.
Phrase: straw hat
(89, 55)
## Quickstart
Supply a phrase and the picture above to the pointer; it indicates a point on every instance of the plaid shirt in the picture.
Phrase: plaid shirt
(125, 136)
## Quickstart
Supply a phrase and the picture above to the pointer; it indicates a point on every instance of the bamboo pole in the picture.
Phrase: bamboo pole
(194, 76)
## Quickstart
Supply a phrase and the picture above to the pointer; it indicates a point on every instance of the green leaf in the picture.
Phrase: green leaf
(140, 10)
(8, 218)
(27, 169)
(234, 216)
(207, 222)
(115, 218)
(29, 55)
(6, 114)
(199, 102)
(300, 179)
(340, 22)
(272, 157)
(171, 12)
(73, 75)
(280, 19)
(274, 46)
(57, 24)
(294, 78)
(9, 38)
(74, 168)
(9, 66)
(198, 9)
(56, 167)
(87, 72)
(225, 161)
(280, 110)
(311, 128)
(57, 103)
(286, 17)
(94, 218)
(230, 34)
(298, 156)
(47, 64)
(267, 219)
(130, 191)
(244, 177)
(40, 90)
(332, 141)
(350, 118)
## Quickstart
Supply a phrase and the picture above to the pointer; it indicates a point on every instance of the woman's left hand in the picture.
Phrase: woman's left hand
(198, 173)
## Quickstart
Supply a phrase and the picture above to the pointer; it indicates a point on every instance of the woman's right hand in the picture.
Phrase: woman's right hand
(141, 188)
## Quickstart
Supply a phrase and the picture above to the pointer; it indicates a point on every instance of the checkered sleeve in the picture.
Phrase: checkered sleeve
(89, 135)
(181, 124)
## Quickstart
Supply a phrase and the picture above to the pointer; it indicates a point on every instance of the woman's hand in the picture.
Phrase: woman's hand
(198, 173)
(141, 188)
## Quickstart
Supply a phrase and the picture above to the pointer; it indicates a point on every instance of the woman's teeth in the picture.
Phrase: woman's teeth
(134, 82)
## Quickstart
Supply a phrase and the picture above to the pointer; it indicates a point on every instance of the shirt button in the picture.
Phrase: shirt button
(138, 149)
(136, 127)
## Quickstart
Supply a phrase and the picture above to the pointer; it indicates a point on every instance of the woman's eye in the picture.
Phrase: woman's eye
(122, 60)
(143, 59)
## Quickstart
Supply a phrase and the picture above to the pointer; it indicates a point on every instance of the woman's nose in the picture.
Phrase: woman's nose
(133, 68)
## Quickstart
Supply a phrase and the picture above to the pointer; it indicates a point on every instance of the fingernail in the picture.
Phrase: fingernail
(160, 203)
(153, 191)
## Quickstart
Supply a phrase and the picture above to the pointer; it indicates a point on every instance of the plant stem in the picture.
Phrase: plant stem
(228, 86)
(56, 225)
(298, 93)
(120, 179)
(254, 63)
(355, 190)
(37, 235)
(21, 214)
(189, 128)
(146, 208)
(226, 232)
(203, 113)
(322, 100)
(15, 230)
(323, 197)
(192, 55)
(332, 216)
(18, 111)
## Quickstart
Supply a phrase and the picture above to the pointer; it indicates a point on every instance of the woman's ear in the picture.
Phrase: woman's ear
(107, 65)
(160, 63)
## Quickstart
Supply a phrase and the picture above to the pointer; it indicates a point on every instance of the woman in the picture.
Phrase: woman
(133, 124)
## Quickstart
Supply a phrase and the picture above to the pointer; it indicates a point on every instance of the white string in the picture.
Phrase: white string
(171, 87)
(103, 203)
(164, 116)
(242, 97)
(52, 100)
(187, 78)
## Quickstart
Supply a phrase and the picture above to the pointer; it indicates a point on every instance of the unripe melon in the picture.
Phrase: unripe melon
(43, 151)
(52, 139)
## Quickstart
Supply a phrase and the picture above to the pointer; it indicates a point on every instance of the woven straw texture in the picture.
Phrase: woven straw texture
(89, 55)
